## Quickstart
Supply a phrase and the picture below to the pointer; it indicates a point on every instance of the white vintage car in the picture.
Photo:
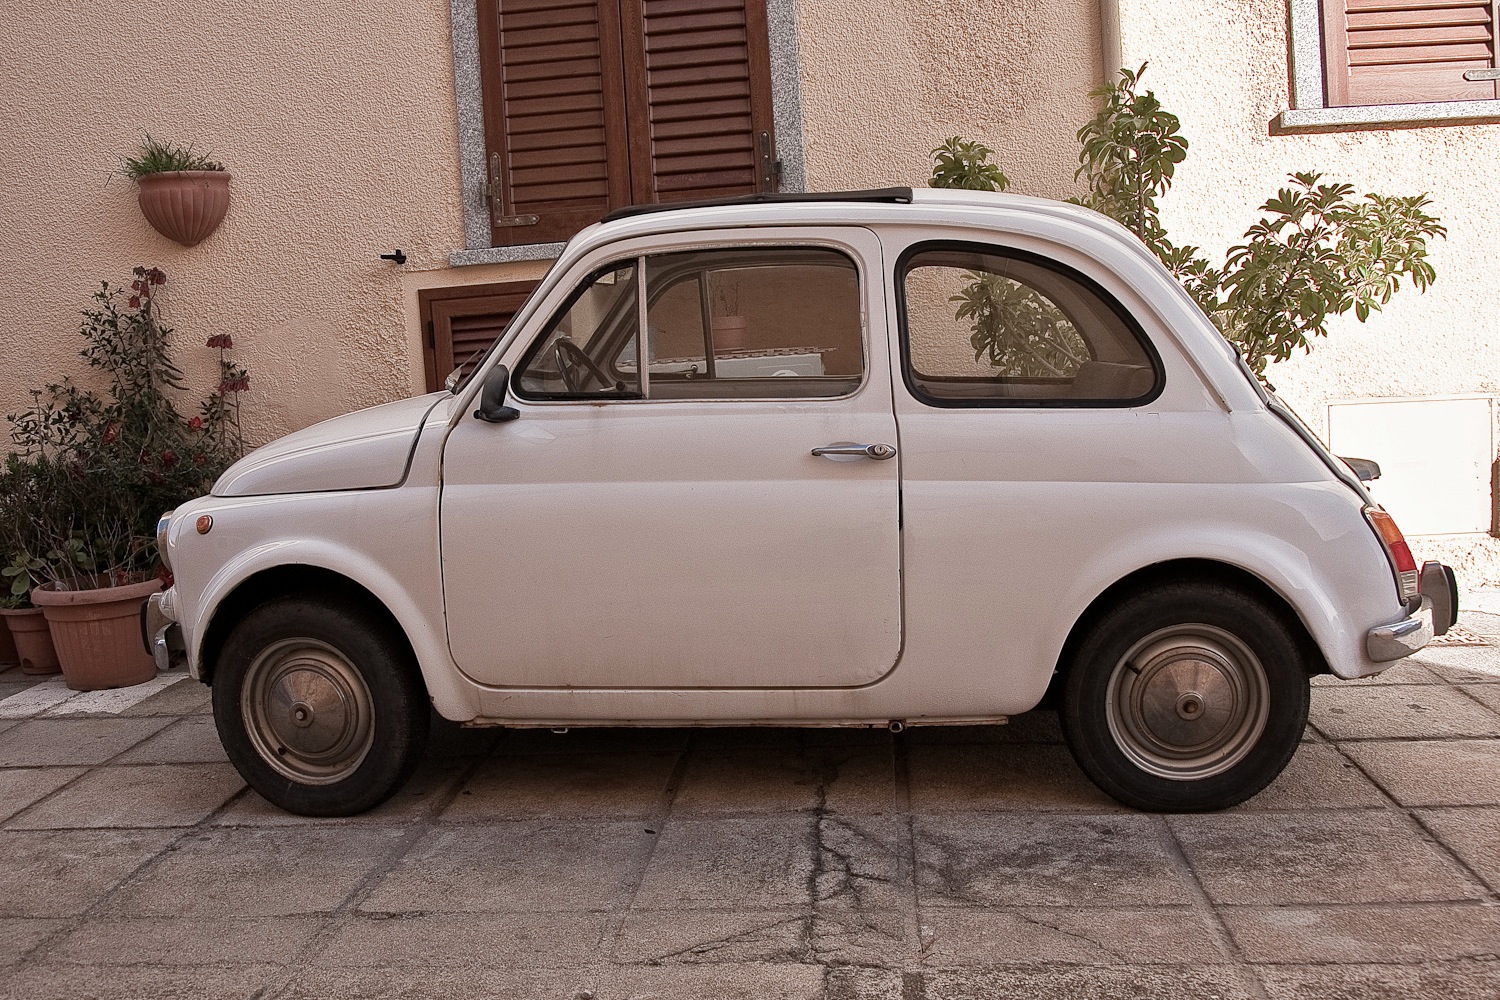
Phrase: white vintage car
(892, 458)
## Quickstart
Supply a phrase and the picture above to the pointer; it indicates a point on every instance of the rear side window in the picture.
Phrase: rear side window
(983, 326)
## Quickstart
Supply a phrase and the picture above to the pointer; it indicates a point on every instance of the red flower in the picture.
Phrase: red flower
(135, 302)
(239, 384)
(110, 433)
(196, 423)
(156, 276)
(219, 340)
(168, 458)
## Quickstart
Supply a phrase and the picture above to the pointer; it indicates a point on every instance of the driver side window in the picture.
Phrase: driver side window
(589, 351)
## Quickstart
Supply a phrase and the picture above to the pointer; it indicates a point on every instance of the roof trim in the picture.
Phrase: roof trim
(890, 195)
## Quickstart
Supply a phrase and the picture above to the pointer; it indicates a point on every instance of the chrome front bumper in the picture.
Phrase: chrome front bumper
(159, 630)
(1435, 615)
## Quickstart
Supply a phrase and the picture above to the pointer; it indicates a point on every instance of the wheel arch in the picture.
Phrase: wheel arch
(1176, 570)
(281, 581)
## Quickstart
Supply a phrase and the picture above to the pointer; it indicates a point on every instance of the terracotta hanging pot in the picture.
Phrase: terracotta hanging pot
(98, 634)
(184, 205)
(729, 333)
(33, 639)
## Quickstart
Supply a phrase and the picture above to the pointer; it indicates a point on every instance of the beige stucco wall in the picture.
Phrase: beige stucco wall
(337, 121)
(882, 84)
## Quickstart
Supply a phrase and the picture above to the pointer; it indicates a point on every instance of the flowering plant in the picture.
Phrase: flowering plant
(94, 470)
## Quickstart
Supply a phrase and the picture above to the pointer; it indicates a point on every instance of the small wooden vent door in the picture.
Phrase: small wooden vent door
(462, 322)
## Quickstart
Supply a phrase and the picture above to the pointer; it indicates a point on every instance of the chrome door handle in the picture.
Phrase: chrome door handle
(879, 452)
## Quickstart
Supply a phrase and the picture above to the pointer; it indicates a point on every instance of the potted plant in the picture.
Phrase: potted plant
(102, 468)
(728, 324)
(24, 636)
(184, 195)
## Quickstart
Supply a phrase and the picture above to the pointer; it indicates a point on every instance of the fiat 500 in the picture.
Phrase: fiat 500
(885, 458)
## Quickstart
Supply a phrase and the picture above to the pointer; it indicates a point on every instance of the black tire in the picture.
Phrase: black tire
(320, 706)
(1138, 723)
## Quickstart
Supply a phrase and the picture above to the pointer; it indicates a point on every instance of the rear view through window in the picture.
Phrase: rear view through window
(982, 327)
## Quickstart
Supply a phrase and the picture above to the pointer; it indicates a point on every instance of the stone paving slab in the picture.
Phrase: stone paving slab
(1473, 834)
(1400, 711)
(1387, 933)
(139, 796)
(65, 742)
(1434, 772)
(1313, 857)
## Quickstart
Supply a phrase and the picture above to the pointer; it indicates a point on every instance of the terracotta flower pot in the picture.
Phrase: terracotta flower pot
(28, 627)
(729, 333)
(184, 205)
(98, 634)
(8, 654)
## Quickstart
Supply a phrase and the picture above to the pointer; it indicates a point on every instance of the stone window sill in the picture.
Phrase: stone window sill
(1386, 115)
(507, 255)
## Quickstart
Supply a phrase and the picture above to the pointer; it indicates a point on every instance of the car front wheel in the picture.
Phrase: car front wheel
(1186, 697)
(319, 706)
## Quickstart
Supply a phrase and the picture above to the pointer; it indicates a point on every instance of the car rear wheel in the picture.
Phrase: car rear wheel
(319, 706)
(1186, 697)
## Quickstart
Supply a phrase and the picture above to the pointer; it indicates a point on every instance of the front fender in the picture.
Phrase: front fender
(332, 532)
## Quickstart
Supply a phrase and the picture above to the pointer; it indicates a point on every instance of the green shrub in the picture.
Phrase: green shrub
(1318, 251)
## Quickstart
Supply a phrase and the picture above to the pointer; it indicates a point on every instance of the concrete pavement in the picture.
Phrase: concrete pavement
(935, 865)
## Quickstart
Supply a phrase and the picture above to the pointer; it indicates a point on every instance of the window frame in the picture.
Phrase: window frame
(639, 259)
(1310, 110)
(1088, 284)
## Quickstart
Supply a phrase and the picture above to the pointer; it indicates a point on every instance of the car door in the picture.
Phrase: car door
(667, 525)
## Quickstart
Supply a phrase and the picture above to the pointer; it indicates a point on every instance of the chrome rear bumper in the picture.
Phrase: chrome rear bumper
(1435, 615)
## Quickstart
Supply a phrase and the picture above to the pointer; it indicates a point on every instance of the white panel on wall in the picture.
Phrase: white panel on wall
(1434, 456)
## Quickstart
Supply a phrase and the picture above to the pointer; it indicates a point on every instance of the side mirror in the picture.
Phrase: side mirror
(492, 397)
(1367, 470)
(454, 377)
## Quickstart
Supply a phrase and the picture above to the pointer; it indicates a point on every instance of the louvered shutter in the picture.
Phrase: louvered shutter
(1407, 51)
(554, 116)
(698, 86)
(466, 320)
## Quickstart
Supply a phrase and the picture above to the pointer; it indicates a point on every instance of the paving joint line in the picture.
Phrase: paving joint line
(88, 769)
(1234, 957)
(340, 916)
(1426, 834)
(624, 902)
(37, 954)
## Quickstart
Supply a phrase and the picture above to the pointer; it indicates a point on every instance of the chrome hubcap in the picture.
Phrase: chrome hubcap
(308, 710)
(1188, 702)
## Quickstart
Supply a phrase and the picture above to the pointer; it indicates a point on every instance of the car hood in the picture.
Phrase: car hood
(366, 449)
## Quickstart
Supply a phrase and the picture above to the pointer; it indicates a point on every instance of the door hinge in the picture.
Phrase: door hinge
(492, 188)
(768, 176)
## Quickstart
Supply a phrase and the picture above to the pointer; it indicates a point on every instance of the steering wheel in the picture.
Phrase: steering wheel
(568, 355)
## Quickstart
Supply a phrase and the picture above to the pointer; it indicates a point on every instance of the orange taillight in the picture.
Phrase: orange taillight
(1396, 549)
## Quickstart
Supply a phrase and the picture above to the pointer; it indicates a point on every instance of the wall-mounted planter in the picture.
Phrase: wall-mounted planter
(184, 205)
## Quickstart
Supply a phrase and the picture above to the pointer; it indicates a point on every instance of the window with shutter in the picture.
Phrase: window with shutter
(1407, 51)
(592, 105)
(462, 322)
(698, 89)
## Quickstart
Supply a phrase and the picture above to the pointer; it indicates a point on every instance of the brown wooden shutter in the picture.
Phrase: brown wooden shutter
(1407, 51)
(698, 87)
(554, 116)
(463, 321)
